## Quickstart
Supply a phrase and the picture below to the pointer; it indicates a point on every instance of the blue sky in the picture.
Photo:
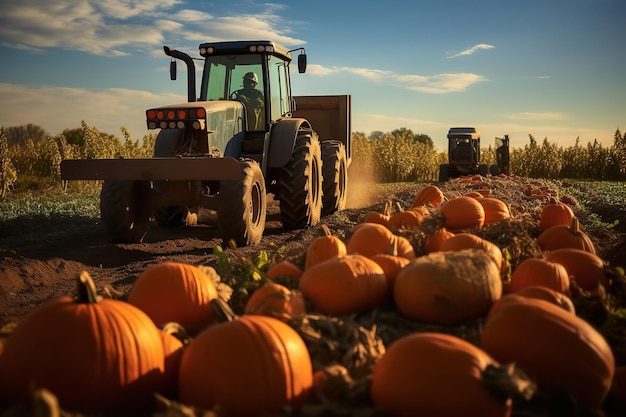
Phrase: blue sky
(549, 68)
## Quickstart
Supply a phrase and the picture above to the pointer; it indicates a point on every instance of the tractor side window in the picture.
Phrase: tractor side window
(279, 88)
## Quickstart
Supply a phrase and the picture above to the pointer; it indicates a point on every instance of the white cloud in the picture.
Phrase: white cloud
(58, 108)
(472, 50)
(431, 84)
(103, 27)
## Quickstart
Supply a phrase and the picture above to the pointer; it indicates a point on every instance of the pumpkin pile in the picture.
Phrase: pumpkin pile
(477, 297)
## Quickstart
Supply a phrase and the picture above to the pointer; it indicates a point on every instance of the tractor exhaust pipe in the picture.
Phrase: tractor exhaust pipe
(191, 70)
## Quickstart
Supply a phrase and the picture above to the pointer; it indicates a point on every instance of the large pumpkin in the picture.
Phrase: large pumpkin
(448, 287)
(431, 194)
(369, 239)
(178, 292)
(462, 241)
(324, 247)
(586, 267)
(563, 236)
(251, 365)
(563, 352)
(344, 285)
(435, 374)
(495, 209)
(555, 214)
(463, 213)
(94, 354)
(538, 271)
(276, 300)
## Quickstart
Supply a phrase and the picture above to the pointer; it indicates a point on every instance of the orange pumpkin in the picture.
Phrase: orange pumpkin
(369, 239)
(563, 352)
(404, 248)
(587, 268)
(537, 271)
(562, 236)
(435, 374)
(94, 354)
(276, 300)
(462, 241)
(618, 387)
(374, 216)
(463, 213)
(447, 288)
(324, 247)
(391, 265)
(178, 292)
(495, 209)
(435, 240)
(409, 219)
(548, 294)
(344, 285)
(250, 365)
(555, 214)
(431, 194)
(174, 338)
(284, 268)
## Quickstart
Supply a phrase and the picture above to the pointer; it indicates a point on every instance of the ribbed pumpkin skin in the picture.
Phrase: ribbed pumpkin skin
(344, 285)
(448, 288)
(276, 300)
(563, 236)
(435, 374)
(555, 214)
(548, 294)
(586, 267)
(463, 213)
(462, 241)
(248, 366)
(322, 248)
(93, 357)
(495, 209)
(369, 239)
(564, 352)
(431, 194)
(391, 265)
(536, 271)
(178, 292)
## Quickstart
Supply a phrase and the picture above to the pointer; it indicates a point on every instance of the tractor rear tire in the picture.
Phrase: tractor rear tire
(243, 208)
(335, 176)
(125, 209)
(300, 183)
(168, 141)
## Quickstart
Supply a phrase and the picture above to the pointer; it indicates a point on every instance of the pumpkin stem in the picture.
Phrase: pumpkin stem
(326, 230)
(575, 226)
(223, 310)
(399, 207)
(387, 208)
(507, 381)
(176, 330)
(86, 289)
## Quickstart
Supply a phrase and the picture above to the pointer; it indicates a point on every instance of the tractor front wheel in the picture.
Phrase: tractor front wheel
(243, 208)
(125, 209)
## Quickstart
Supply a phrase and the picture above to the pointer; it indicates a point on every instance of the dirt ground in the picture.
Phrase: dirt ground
(40, 261)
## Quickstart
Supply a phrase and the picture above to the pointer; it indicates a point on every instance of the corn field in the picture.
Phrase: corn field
(394, 157)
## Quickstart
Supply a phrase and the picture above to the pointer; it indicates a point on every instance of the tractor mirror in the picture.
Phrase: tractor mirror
(173, 69)
(302, 63)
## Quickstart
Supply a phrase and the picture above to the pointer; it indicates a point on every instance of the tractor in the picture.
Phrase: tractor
(463, 154)
(224, 152)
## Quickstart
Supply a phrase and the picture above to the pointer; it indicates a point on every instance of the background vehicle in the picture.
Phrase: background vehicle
(502, 157)
(226, 155)
(463, 154)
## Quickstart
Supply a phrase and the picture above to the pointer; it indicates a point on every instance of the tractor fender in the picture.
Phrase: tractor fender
(282, 139)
